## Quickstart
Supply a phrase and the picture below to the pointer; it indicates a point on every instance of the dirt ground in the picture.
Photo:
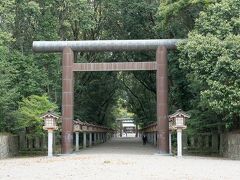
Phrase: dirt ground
(124, 158)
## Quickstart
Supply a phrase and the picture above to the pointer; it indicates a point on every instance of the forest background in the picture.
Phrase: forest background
(204, 77)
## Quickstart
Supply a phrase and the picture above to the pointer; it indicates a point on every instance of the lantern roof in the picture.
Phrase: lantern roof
(178, 113)
(50, 114)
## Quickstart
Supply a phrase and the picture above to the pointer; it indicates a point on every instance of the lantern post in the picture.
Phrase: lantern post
(50, 124)
(178, 120)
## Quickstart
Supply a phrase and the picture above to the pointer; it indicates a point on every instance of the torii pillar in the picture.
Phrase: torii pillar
(67, 100)
(162, 100)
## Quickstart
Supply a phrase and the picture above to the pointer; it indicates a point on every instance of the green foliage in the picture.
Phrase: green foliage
(180, 95)
(30, 111)
(211, 59)
(120, 110)
(6, 21)
(221, 20)
(29, 78)
(95, 98)
(177, 17)
(77, 18)
(26, 21)
(125, 19)
(8, 92)
(141, 101)
(204, 81)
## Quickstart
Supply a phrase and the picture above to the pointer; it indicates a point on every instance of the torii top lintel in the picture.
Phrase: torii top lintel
(104, 45)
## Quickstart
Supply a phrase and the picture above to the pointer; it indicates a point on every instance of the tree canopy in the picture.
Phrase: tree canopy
(203, 72)
(30, 111)
(211, 59)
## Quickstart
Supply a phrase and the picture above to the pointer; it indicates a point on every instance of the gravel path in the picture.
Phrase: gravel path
(119, 159)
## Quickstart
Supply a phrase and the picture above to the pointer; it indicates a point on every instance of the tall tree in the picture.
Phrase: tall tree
(211, 59)
(30, 111)
(176, 18)
(8, 92)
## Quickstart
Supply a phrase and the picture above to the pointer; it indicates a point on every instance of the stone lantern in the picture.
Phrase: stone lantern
(50, 124)
(178, 120)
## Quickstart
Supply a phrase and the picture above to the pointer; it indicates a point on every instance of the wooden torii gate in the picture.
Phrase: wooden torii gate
(69, 67)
